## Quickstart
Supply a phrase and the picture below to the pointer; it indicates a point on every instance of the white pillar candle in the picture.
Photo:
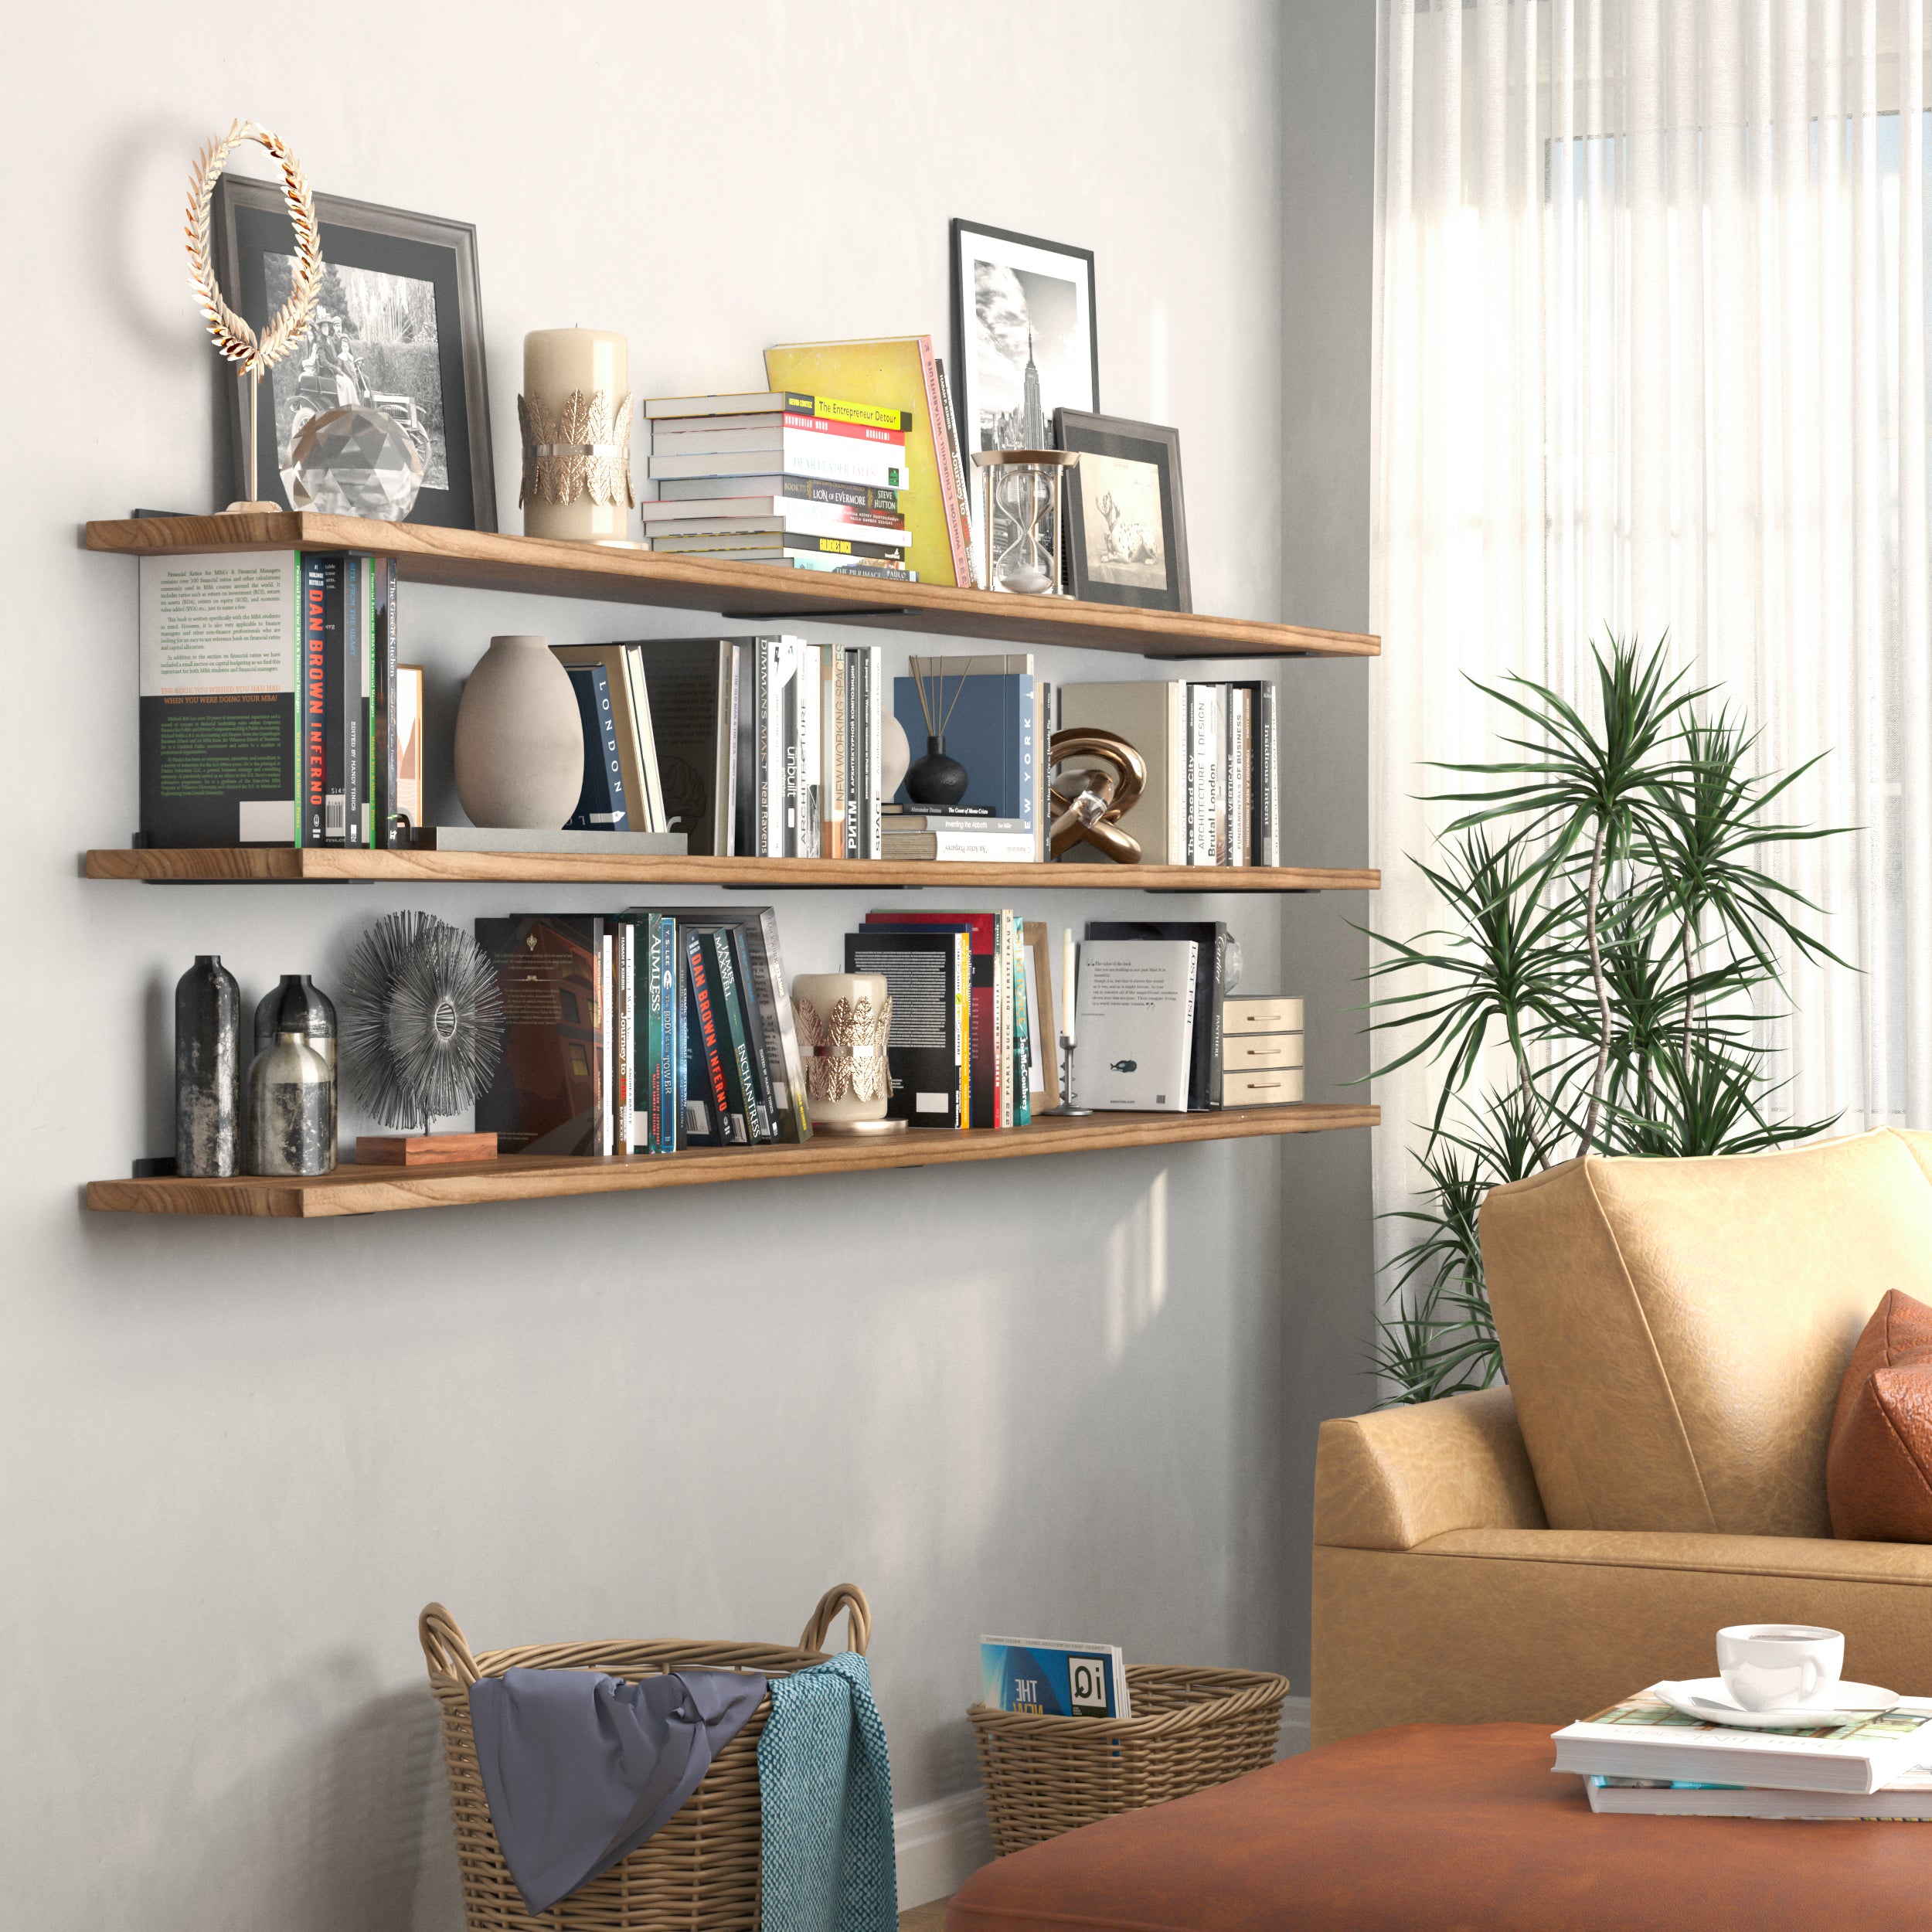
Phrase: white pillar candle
(1067, 983)
(582, 450)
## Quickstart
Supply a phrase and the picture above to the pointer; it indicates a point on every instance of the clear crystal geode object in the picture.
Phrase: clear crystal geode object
(354, 461)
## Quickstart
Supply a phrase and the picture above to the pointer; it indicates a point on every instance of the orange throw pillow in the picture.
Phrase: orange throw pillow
(1878, 1471)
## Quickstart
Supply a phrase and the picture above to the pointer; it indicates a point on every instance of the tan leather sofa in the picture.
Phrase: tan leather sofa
(1674, 1332)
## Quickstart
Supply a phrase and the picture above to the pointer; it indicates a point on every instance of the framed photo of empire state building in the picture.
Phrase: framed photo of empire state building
(1024, 342)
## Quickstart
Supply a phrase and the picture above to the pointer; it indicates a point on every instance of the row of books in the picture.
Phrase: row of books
(645, 1032)
(1642, 1755)
(1213, 790)
(270, 708)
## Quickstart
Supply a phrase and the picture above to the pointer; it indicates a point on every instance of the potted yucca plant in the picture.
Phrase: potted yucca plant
(1598, 983)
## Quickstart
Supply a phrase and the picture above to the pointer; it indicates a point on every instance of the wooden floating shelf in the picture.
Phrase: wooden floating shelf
(315, 865)
(478, 560)
(385, 1190)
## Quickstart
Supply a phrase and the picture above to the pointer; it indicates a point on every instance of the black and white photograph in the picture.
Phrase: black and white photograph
(1024, 343)
(397, 327)
(372, 341)
(1126, 522)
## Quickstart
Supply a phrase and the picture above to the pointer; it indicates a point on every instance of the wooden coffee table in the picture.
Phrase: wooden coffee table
(1461, 1827)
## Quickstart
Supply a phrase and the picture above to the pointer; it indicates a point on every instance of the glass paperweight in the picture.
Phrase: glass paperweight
(354, 461)
(1020, 520)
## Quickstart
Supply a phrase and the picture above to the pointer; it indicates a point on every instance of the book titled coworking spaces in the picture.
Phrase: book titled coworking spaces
(1046, 1679)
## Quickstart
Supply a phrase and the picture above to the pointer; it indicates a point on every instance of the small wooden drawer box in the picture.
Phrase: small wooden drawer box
(1248, 1053)
(1276, 1086)
(1255, 1013)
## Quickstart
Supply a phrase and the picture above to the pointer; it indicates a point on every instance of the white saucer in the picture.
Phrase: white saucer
(1842, 1703)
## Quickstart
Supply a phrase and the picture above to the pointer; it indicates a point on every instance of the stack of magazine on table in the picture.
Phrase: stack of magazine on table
(778, 476)
(1643, 1755)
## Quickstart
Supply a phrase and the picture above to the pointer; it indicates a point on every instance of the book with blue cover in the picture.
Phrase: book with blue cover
(990, 727)
(1045, 1678)
(602, 804)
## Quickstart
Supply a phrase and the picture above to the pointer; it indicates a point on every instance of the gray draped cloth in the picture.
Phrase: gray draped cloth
(580, 1768)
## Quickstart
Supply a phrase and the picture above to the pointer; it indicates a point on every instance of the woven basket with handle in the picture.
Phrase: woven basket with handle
(699, 1872)
(1190, 1729)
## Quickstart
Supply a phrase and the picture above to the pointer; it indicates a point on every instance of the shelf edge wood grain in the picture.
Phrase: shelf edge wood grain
(350, 1190)
(481, 560)
(318, 865)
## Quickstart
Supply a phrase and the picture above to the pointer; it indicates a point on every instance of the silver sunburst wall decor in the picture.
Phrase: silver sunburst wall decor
(422, 1025)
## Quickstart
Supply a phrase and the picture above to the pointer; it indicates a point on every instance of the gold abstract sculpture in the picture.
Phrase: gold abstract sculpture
(584, 451)
(237, 341)
(1088, 804)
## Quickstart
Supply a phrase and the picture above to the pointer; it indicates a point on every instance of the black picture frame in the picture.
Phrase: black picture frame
(1103, 442)
(1028, 254)
(251, 226)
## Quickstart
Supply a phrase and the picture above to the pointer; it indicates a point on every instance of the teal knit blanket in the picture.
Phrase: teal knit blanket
(825, 1785)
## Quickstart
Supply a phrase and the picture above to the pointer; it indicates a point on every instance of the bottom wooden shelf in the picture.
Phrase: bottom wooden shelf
(370, 1190)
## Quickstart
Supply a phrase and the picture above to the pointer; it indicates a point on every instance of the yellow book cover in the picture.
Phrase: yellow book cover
(892, 372)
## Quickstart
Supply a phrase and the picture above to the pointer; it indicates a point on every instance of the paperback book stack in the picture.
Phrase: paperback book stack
(646, 1033)
(267, 697)
(1213, 791)
(1642, 1755)
(968, 1017)
(777, 477)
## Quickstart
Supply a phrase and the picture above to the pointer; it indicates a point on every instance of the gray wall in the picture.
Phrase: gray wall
(1328, 208)
(235, 1460)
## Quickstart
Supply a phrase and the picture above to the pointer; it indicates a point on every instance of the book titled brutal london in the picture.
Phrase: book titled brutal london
(219, 746)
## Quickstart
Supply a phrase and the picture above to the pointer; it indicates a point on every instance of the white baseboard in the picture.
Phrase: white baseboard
(1294, 1727)
(940, 1846)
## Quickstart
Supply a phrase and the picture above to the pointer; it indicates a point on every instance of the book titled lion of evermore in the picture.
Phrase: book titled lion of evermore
(1643, 1737)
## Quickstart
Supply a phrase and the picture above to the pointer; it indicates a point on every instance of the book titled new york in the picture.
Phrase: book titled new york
(220, 639)
(1044, 1678)
(989, 728)
(547, 1095)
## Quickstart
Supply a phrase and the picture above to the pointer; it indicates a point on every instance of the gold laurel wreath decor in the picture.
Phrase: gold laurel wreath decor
(234, 338)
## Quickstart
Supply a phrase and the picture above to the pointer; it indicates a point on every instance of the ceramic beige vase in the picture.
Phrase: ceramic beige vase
(519, 739)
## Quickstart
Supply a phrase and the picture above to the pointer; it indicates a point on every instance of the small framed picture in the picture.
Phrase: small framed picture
(1126, 523)
(398, 326)
(1024, 344)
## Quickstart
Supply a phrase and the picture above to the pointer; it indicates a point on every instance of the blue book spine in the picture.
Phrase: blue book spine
(601, 804)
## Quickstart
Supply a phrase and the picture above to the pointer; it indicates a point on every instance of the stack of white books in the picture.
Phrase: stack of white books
(778, 477)
(1644, 1755)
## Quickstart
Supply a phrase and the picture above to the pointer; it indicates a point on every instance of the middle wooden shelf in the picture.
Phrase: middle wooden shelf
(289, 865)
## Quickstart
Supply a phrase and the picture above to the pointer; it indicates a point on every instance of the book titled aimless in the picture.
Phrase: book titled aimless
(1644, 1737)
(1044, 1678)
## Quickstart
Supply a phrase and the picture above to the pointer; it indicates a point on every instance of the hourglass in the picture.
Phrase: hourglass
(1020, 521)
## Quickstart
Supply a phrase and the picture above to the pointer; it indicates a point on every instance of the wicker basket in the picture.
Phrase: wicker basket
(699, 1872)
(1190, 1729)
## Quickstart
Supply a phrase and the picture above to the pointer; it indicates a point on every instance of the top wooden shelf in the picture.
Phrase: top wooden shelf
(477, 560)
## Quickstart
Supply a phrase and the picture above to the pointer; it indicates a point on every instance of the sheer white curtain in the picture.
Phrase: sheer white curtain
(1651, 357)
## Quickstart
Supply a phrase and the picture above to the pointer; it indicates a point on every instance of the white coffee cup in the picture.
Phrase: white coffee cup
(1779, 1666)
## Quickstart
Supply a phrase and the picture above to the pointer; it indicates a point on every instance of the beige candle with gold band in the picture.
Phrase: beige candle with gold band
(575, 412)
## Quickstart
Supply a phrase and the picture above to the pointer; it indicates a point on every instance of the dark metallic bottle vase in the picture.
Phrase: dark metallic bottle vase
(298, 1006)
(207, 1069)
(936, 779)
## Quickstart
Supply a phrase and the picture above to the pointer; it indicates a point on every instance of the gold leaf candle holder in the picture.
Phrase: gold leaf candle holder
(575, 416)
(844, 1024)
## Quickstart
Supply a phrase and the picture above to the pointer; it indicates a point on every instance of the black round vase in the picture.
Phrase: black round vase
(207, 1069)
(936, 779)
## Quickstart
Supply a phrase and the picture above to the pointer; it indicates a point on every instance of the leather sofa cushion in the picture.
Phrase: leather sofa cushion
(1674, 1332)
(1875, 1470)
(1441, 1826)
